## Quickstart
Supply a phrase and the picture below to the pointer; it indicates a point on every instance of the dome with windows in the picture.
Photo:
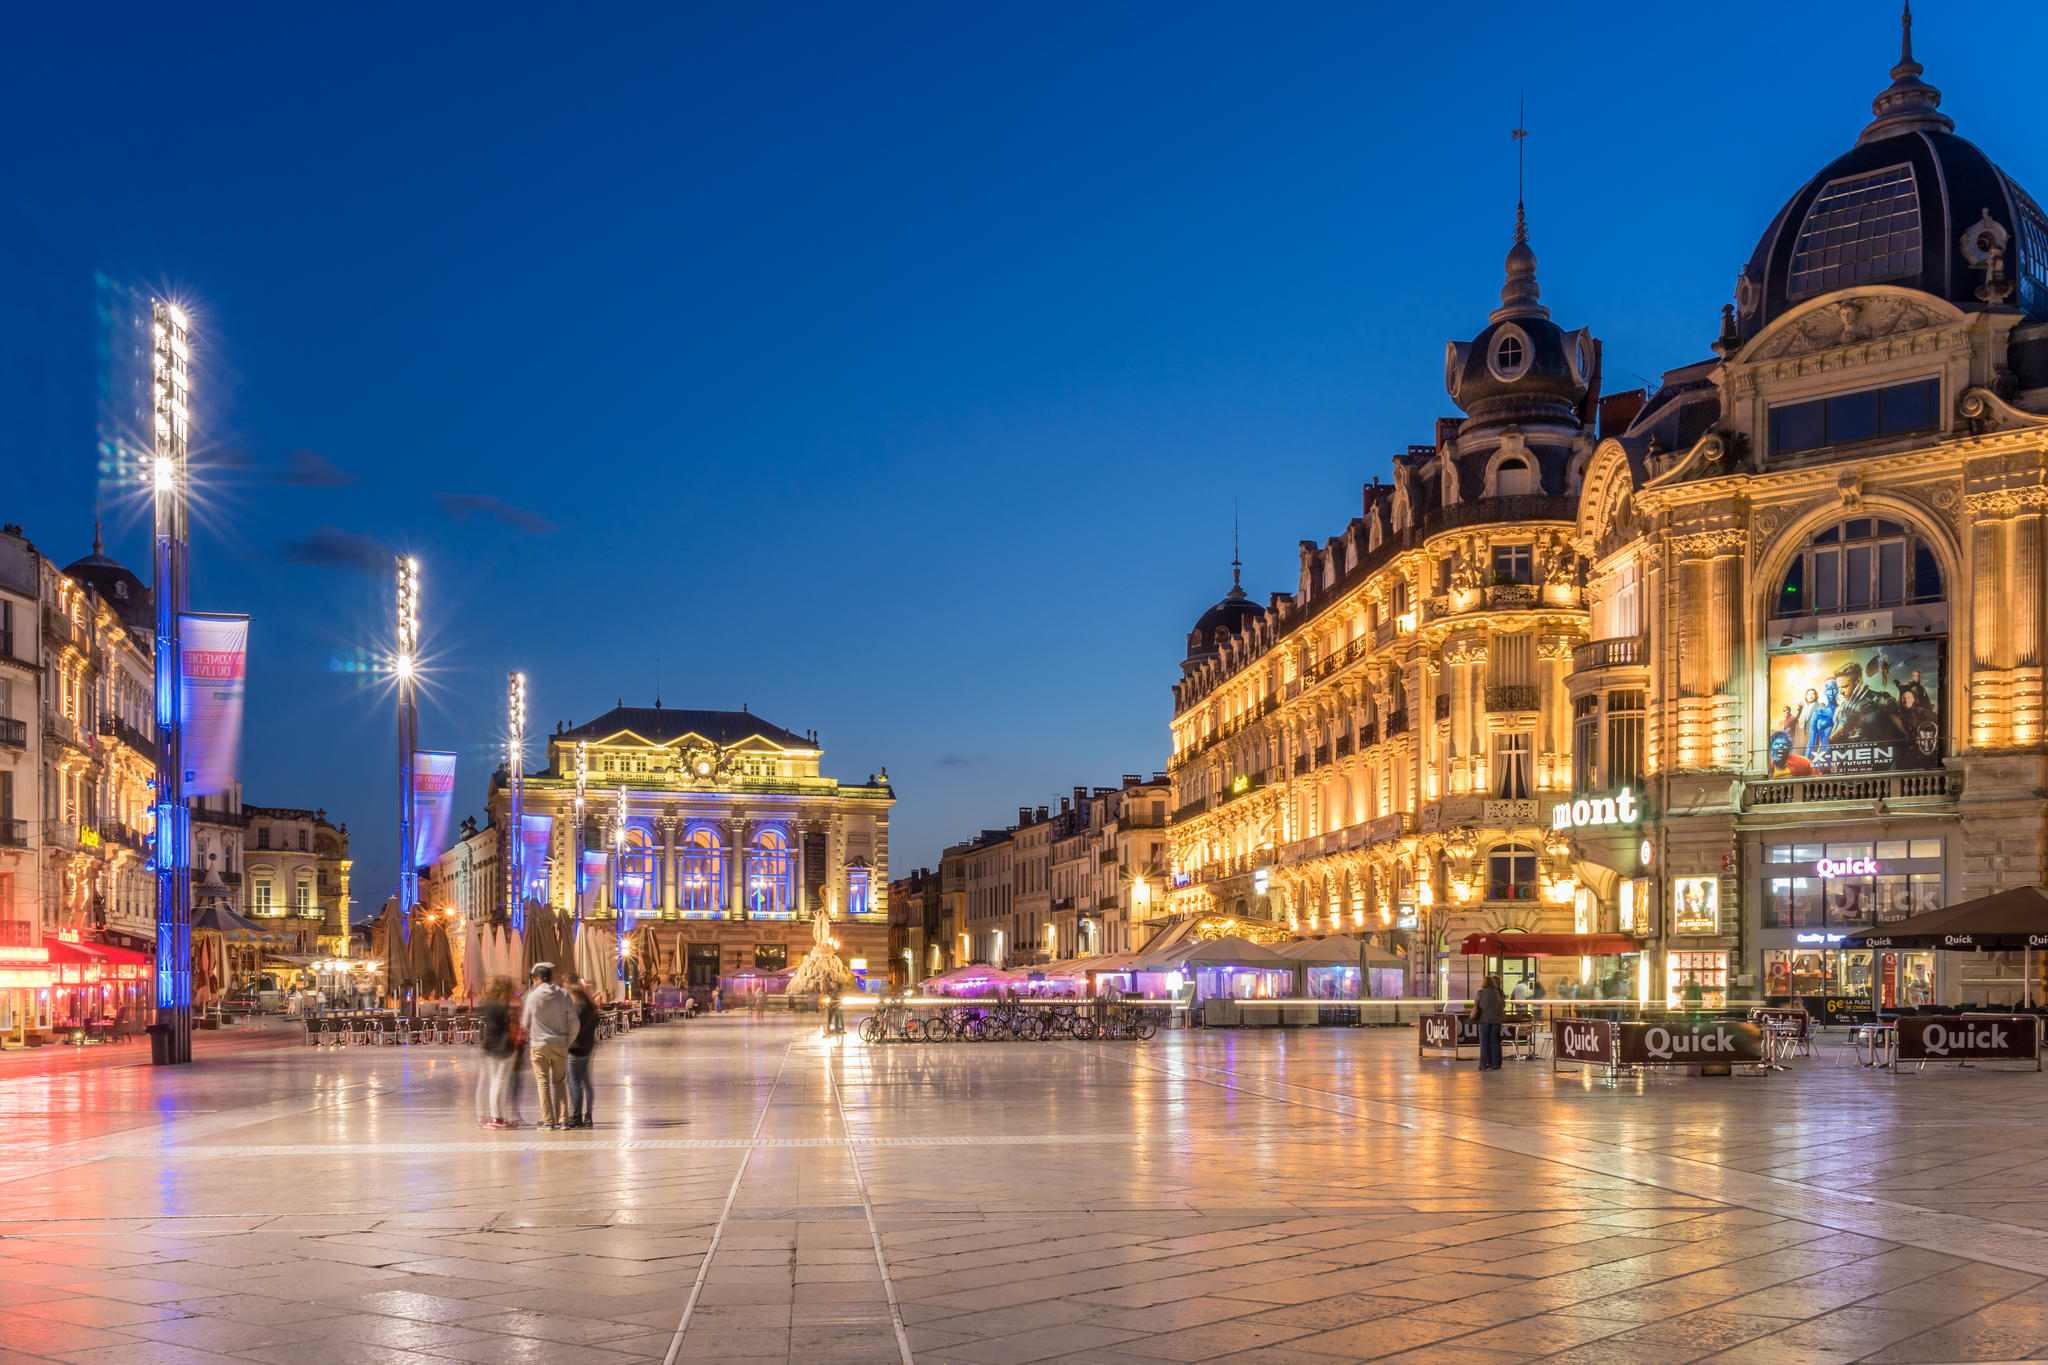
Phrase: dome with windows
(1234, 613)
(117, 586)
(1911, 204)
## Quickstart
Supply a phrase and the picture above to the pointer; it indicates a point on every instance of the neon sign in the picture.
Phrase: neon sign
(1816, 938)
(1619, 809)
(1847, 867)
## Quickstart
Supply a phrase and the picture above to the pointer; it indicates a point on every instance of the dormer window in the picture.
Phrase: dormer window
(1513, 477)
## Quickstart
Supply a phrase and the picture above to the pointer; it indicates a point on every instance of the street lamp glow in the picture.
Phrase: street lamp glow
(515, 787)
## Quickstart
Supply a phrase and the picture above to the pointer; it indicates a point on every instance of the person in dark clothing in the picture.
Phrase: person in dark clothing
(1489, 1009)
(494, 1103)
(580, 1048)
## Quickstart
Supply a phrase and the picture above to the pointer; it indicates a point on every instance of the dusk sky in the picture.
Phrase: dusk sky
(890, 370)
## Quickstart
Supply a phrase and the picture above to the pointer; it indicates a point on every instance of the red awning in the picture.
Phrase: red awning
(1549, 945)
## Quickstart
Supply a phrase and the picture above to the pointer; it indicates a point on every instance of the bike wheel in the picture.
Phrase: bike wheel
(870, 1029)
(1084, 1029)
(974, 1031)
(1146, 1029)
(937, 1030)
(913, 1030)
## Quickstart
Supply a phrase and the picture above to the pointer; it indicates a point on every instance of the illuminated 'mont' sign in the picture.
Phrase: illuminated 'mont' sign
(1619, 809)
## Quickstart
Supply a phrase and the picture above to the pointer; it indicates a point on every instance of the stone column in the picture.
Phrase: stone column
(664, 899)
(736, 868)
(798, 828)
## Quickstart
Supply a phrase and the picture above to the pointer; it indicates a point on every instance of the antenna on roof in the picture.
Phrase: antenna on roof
(1236, 563)
(97, 547)
(657, 682)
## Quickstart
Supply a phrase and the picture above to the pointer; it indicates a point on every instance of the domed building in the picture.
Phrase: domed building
(1817, 577)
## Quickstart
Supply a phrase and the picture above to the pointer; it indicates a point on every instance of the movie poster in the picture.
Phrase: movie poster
(1696, 905)
(1864, 708)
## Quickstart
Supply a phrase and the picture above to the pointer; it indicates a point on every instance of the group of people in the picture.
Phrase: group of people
(557, 1028)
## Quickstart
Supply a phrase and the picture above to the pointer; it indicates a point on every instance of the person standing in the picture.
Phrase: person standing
(549, 1022)
(580, 1048)
(1489, 1008)
(494, 1039)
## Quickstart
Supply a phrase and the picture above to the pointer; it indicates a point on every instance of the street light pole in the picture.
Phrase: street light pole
(171, 376)
(405, 666)
(515, 760)
(576, 865)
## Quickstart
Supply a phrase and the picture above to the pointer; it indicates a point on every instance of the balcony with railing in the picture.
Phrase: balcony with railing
(114, 728)
(61, 729)
(13, 733)
(13, 834)
(1191, 809)
(1621, 649)
(1511, 595)
(1322, 755)
(1300, 764)
(233, 819)
(1512, 697)
(1443, 706)
(1798, 791)
(1343, 746)
(1396, 724)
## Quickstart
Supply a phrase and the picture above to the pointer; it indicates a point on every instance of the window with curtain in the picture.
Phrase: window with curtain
(771, 875)
(637, 871)
(702, 888)
(1511, 752)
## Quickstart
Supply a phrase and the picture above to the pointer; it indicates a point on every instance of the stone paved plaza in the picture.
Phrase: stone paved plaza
(753, 1193)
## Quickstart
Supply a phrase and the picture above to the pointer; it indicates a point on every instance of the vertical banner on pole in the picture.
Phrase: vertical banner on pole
(213, 674)
(433, 795)
(537, 832)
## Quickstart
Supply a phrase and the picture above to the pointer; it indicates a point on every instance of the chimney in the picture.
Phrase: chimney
(1080, 795)
(1065, 805)
(1044, 813)
(1023, 815)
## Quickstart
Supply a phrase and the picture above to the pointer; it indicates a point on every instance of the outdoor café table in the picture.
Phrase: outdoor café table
(1781, 1038)
(1875, 1039)
(1521, 1035)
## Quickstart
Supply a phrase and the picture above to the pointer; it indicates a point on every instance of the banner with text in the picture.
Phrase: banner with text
(433, 804)
(1582, 1040)
(213, 674)
(536, 833)
(1709, 1043)
(1447, 1031)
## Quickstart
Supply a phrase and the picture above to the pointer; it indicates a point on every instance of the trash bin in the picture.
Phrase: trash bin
(159, 1044)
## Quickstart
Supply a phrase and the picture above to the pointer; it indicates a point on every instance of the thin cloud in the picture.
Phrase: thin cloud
(962, 760)
(332, 548)
(311, 469)
(462, 506)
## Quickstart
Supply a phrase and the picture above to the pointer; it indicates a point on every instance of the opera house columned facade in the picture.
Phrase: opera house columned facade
(1709, 675)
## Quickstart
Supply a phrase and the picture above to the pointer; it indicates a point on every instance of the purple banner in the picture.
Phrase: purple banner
(213, 679)
(535, 833)
(433, 804)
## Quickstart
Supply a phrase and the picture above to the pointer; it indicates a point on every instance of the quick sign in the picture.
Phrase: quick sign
(1711, 1043)
(1968, 1040)
(1582, 1040)
(1448, 1031)
(1816, 938)
(1847, 867)
(1590, 813)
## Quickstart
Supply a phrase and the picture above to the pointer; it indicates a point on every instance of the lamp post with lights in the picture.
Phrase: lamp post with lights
(405, 666)
(171, 383)
(515, 789)
(618, 876)
(576, 845)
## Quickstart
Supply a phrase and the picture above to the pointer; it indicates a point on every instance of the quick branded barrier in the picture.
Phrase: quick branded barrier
(1582, 1040)
(1712, 1042)
(1979, 1038)
(1446, 1032)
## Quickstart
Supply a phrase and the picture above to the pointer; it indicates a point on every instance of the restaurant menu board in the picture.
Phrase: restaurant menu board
(1708, 1042)
(1696, 905)
(1982, 1039)
(1582, 1040)
(1866, 708)
(1448, 1031)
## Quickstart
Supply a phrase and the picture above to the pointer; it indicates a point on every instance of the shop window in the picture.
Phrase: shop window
(1511, 873)
(1860, 563)
(771, 957)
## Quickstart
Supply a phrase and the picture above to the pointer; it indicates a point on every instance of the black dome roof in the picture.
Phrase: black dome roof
(1894, 209)
(1225, 618)
(117, 587)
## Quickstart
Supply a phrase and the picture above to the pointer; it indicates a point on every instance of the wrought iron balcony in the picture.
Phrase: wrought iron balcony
(233, 819)
(1512, 697)
(1343, 746)
(120, 730)
(13, 834)
(1396, 723)
(13, 733)
(1443, 706)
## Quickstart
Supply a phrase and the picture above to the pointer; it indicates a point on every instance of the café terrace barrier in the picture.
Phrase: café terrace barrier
(1443, 1032)
(1710, 1043)
(1970, 1038)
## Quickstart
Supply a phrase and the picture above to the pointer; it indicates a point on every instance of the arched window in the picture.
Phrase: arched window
(1511, 873)
(703, 872)
(859, 900)
(771, 879)
(637, 871)
(1854, 565)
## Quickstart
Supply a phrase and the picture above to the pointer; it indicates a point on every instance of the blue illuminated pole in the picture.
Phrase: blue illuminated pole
(576, 865)
(515, 790)
(406, 666)
(171, 381)
(618, 875)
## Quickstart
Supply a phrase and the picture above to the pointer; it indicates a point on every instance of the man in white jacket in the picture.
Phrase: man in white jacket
(549, 1022)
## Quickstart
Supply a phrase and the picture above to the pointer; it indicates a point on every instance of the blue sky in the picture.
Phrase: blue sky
(889, 369)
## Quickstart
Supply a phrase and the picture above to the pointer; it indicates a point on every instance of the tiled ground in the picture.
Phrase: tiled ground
(1251, 1197)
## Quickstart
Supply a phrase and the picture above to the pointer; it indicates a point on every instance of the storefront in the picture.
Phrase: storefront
(1813, 894)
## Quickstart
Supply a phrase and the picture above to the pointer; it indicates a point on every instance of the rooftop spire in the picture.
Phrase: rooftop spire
(1236, 564)
(1518, 297)
(1908, 103)
(98, 547)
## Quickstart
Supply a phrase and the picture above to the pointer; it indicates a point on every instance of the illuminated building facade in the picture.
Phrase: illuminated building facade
(1732, 668)
(715, 828)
